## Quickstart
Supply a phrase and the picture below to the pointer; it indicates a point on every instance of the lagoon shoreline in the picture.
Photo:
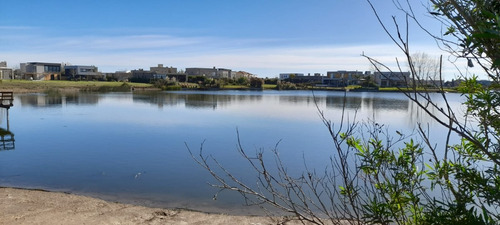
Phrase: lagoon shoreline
(26, 86)
(27, 206)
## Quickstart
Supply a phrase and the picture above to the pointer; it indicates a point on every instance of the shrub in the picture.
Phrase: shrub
(286, 86)
(256, 82)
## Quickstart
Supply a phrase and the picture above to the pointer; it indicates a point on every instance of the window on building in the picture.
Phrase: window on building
(52, 68)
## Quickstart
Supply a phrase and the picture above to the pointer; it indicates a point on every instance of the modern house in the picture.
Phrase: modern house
(224, 73)
(392, 79)
(41, 71)
(316, 78)
(343, 78)
(5, 72)
(240, 74)
(160, 69)
(170, 72)
(284, 76)
(309, 79)
(142, 75)
(119, 75)
(159, 72)
(82, 73)
(206, 72)
(209, 72)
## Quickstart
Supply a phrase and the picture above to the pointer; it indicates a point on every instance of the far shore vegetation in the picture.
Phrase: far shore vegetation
(27, 86)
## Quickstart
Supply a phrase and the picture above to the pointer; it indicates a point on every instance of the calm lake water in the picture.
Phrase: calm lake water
(131, 147)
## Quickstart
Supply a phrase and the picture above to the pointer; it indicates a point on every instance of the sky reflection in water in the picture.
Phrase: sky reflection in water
(131, 147)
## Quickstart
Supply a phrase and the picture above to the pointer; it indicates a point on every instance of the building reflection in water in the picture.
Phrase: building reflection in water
(58, 100)
(194, 100)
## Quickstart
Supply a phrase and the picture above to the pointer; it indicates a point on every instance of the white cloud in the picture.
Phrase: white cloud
(13, 28)
(265, 57)
(133, 42)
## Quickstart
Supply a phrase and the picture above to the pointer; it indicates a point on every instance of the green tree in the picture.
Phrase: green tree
(284, 85)
(268, 80)
(197, 79)
(368, 82)
(256, 82)
(242, 81)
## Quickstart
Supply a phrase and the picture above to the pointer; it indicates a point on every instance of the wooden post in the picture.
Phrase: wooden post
(8, 125)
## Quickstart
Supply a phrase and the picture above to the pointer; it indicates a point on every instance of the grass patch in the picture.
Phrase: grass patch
(235, 86)
(41, 86)
(350, 87)
(269, 86)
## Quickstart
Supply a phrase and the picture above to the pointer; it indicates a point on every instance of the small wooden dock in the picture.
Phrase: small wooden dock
(6, 99)
(7, 141)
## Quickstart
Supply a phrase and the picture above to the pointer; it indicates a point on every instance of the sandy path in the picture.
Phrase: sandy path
(19, 206)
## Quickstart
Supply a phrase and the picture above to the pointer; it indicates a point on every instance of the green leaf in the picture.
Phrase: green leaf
(450, 30)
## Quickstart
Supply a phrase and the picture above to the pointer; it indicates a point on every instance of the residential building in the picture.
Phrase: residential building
(82, 73)
(142, 75)
(159, 72)
(240, 74)
(163, 70)
(392, 79)
(316, 78)
(206, 72)
(309, 79)
(343, 78)
(284, 76)
(41, 71)
(5, 72)
(119, 76)
(170, 72)
(223, 73)
(209, 72)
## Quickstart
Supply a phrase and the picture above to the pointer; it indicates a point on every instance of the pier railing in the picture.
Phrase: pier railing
(6, 99)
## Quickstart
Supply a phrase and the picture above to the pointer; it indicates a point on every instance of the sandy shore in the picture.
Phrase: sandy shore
(20, 206)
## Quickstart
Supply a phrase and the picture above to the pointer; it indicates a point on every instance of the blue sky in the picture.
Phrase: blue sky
(264, 37)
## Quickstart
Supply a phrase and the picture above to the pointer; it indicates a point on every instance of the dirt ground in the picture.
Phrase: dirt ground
(20, 206)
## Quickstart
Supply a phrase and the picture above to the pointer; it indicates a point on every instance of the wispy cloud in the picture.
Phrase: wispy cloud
(122, 43)
(266, 57)
(14, 28)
